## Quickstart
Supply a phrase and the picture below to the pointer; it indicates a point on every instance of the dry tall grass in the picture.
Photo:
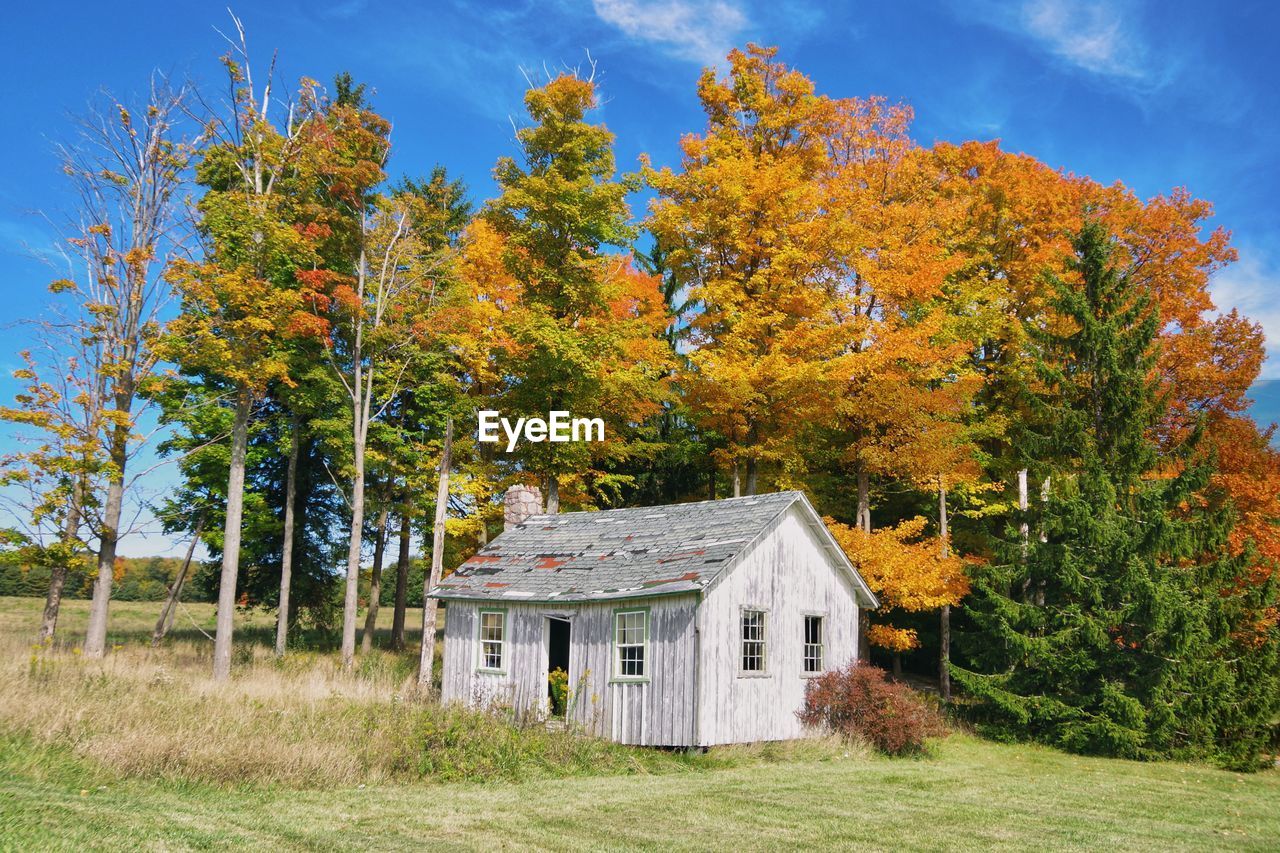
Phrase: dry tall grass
(300, 722)
(157, 713)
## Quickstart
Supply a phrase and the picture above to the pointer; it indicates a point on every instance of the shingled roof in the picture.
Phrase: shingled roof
(627, 553)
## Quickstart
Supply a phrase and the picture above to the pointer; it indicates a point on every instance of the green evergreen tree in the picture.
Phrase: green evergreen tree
(1118, 625)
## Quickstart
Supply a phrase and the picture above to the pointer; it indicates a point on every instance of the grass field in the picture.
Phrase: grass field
(141, 751)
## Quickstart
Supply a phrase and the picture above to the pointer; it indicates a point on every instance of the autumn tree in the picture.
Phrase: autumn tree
(50, 481)
(908, 571)
(127, 168)
(241, 301)
(746, 222)
(587, 339)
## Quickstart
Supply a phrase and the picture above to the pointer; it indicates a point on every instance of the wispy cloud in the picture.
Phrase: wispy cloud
(1104, 39)
(1098, 37)
(697, 30)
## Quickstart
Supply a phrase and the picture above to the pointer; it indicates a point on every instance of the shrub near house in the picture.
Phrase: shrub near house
(860, 702)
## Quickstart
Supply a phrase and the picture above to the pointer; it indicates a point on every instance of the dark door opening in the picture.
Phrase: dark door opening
(557, 665)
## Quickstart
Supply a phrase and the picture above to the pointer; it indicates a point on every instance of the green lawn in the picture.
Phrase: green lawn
(971, 795)
(59, 791)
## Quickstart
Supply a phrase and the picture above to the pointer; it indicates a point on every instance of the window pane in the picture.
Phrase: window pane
(631, 660)
(813, 644)
(492, 626)
(630, 628)
(753, 641)
(629, 641)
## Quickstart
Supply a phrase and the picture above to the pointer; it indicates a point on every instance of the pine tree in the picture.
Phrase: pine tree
(1118, 625)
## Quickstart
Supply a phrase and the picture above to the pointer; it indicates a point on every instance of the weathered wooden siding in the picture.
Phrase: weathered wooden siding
(788, 574)
(659, 712)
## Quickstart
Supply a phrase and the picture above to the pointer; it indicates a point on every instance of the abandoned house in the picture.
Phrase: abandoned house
(686, 625)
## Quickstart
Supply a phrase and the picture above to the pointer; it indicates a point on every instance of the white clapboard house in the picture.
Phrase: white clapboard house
(686, 625)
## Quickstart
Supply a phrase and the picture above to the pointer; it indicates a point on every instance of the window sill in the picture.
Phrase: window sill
(744, 674)
(817, 674)
(484, 671)
(625, 680)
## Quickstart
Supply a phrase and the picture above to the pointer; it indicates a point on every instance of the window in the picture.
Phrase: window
(493, 629)
(753, 641)
(813, 644)
(630, 641)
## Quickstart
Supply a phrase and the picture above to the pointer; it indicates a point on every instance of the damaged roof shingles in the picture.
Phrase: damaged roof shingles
(620, 553)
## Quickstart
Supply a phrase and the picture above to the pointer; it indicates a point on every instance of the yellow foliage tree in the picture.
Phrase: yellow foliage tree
(907, 570)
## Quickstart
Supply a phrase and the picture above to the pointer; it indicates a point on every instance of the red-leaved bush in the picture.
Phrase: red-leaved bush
(860, 701)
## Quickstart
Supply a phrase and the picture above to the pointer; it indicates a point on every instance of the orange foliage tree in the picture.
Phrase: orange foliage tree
(907, 570)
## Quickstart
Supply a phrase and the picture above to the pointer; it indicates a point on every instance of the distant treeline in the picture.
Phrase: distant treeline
(149, 578)
(136, 578)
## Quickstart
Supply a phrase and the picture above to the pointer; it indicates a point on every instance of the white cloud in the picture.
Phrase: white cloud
(698, 30)
(1093, 36)
(1101, 38)
(1252, 285)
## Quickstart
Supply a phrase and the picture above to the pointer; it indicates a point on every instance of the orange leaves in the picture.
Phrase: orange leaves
(1248, 471)
(905, 569)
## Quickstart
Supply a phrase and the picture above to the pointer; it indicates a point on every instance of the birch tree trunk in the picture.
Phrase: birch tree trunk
(375, 582)
(165, 622)
(351, 598)
(361, 389)
(944, 635)
(427, 657)
(1023, 530)
(286, 548)
(402, 581)
(231, 538)
(95, 641)
(58, 571)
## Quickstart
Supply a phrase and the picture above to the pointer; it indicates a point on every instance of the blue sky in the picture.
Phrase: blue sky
(1156, 95)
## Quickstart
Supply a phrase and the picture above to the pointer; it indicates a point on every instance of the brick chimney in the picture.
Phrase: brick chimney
(519, 503)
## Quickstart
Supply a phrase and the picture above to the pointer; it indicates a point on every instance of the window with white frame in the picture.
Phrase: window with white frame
(813, 644)
(493, 631)
(753, 641)
(630, 641)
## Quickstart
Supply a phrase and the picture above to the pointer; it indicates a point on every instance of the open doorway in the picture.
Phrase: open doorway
(557, 665)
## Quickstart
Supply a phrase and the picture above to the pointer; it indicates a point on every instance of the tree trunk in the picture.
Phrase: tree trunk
(737, 479)
(231, 538)
(351, 598)
(427, 658)
(752, 469)
(711, 485)
(95, 641)
(864, 645)
(864, 501)
(165, 622)
(58, 571)
(553, 494)
(897, 666)
(286, 548)
(375, 582)
(1022, 508)
(402, 582)
(1044, 537)
(944, 635)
